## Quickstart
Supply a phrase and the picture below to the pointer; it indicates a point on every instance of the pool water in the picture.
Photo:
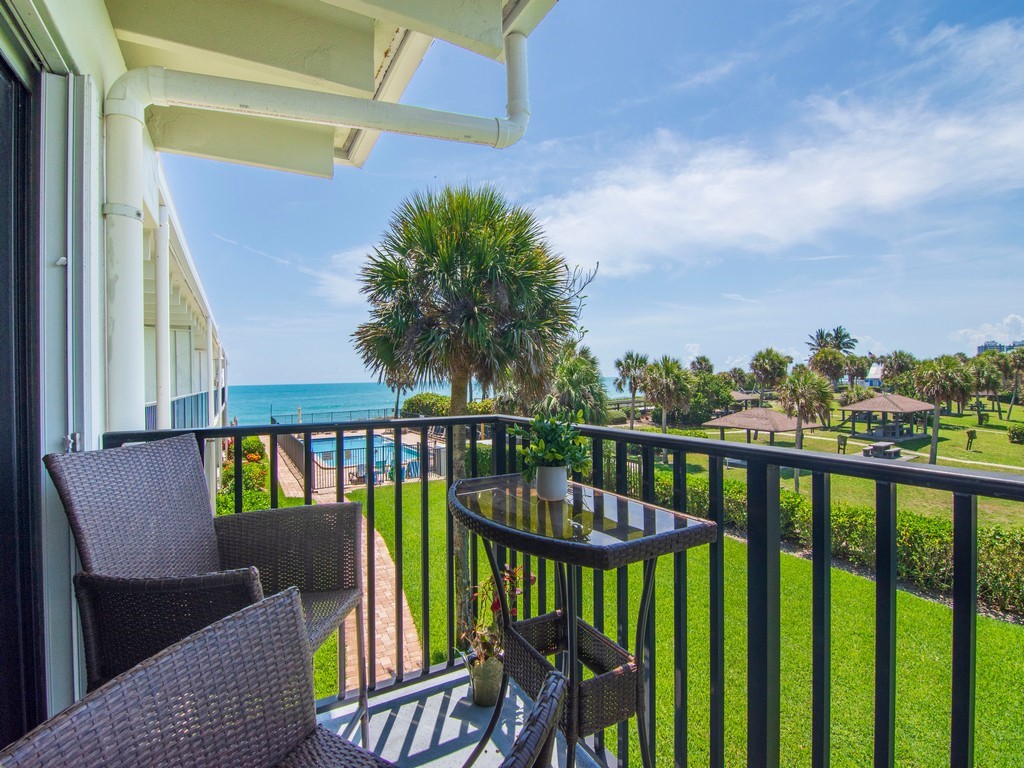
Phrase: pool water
(354, 447)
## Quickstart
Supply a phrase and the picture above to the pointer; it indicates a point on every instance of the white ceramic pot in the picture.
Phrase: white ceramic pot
(552, 483)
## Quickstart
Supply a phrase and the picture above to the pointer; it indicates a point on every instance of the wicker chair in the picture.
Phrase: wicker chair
(236, 693)
(535, 742)
(158, 566)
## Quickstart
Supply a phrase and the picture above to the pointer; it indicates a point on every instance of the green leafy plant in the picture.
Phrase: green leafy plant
(484, 634)
(253, 445)
(553, 443)
(1016, 434)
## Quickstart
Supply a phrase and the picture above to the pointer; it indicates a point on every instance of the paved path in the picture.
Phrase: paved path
(386, 612)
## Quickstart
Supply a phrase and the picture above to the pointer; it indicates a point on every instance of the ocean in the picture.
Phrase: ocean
(254, 404)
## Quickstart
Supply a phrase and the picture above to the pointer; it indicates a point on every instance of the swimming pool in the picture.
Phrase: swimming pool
(354, 447)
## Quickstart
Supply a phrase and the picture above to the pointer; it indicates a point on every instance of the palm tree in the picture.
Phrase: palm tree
(462, 284)
(986, 376)
(669, 385)
(806, 395)
(738, 376)
(842, 340)
(857, 367)
(702, 364)
(939, 380)
(576, 386)
(629, 371)
(769, 368)
(820, 339)
(830, 363)
(1015, 359)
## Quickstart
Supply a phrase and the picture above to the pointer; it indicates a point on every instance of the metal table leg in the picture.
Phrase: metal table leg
(503, 689)
(643, 716)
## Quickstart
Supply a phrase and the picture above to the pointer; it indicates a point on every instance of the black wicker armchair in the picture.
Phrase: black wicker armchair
(157, 565)
(535, 742)
(236, 693)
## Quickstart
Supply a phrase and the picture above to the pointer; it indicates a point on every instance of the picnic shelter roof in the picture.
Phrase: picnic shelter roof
(760, 419)
(740, 397)
(890, 403)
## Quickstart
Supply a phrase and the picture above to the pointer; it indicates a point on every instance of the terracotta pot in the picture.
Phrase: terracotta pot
(552, 483)
(485, 681)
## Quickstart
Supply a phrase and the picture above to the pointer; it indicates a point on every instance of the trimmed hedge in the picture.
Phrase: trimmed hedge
(924, 544)
(252, 445)
(427, 404)
(615, 416)
(255, 476)
(1016, 434)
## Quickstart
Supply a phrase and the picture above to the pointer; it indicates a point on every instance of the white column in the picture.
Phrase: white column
(161, 262)
(126, 350)
(211, 382)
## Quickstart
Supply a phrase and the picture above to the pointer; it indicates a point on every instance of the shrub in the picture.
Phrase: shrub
(1016, 434)
(254, 476)
(615, 416)
(480, 407)
(855, 394)
(484, 460)
(427, 404)
(253, 445)
(251, 501)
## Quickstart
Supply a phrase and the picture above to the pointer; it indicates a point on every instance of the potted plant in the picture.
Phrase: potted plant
(555, 448)
(484, 659)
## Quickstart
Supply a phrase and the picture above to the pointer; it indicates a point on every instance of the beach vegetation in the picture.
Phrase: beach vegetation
(629, 372)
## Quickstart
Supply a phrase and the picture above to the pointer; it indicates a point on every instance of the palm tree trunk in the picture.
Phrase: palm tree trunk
(935, 432)
(461, 537)
(977, 403)
(398, 395)
(632, 406)
(1016, 382)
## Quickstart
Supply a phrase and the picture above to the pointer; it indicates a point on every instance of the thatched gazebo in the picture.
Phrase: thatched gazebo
(758, 420)
(904, 411)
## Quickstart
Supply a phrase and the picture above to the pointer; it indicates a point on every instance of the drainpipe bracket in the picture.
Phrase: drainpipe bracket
(120, 209)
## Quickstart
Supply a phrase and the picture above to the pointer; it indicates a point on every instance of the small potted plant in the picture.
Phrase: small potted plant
(555, 448)
(484, 659)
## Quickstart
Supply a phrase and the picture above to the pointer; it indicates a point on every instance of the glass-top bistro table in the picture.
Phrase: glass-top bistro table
(591, 529)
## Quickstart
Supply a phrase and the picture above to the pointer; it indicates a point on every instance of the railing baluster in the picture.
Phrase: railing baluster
(371, 566)
(885, 624)
(648, 664)
(273, 468)
(425, 548)
(621, 599)
(679, 593)
(450, 543)
(238, 476)
(965, 611)
(821, 566)
(716, 613)
(307, 467)
(339, 465)
(764, 540)
(399, 468)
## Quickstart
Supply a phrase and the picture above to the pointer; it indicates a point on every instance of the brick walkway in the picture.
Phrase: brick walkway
(290, 480)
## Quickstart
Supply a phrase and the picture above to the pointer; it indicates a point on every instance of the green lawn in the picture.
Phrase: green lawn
(923, 666)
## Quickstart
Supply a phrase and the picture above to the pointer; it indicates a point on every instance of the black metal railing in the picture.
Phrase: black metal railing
(614, 467)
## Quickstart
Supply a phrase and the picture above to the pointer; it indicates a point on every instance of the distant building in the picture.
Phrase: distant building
(995, 345)
(874, 377)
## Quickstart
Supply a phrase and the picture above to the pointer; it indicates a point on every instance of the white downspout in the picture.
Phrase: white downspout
(140, 88)
(126, 383)
(162, 265)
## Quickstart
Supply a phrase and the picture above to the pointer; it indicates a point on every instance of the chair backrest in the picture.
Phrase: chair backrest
(532, 747)
(139, 511)
(237, 693)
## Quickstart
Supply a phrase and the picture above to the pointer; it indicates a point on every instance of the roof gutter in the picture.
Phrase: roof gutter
(139, 88)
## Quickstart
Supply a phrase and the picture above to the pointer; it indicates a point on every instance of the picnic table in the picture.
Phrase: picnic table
(882, 450)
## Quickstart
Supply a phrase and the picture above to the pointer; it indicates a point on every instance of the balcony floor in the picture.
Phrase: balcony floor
(433, 723)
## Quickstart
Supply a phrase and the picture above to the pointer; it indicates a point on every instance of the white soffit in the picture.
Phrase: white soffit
(363, 48)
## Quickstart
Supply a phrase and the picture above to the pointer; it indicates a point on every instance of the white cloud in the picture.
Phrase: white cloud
(251, 249)
(740, 298)
(690, 352)
(1010, 328)
(339, 281)
(958, 135)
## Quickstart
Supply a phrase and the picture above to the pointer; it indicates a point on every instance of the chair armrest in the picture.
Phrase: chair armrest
(316, 548)
(127, 620)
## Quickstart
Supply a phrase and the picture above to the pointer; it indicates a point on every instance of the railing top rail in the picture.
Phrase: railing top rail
(951, 479)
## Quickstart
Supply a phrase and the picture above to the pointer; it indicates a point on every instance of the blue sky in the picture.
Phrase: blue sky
(742, 172)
